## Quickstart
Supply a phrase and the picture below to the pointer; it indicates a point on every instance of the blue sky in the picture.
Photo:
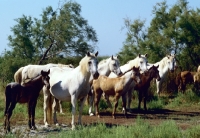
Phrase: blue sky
(105, 16)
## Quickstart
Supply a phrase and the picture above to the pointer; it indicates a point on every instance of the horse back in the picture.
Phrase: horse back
(13, 91)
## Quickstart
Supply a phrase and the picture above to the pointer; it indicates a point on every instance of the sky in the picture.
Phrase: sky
(105, 16)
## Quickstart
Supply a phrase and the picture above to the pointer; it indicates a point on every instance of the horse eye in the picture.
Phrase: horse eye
(89, 62)
(141, 62)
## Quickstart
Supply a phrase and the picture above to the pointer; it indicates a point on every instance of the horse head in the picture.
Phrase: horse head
(91, 64)
(136, 74)
(46, 78)
(154, 72)
(171, 62)
(114, 65)
(142, 62)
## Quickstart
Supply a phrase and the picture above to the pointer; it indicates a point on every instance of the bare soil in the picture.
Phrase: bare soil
(185, 118)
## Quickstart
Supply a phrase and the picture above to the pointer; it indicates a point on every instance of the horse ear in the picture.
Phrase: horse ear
(139, 55)
(146, 55)
(96, 54)
(168, 56)
(157, 66)
(88, 54)
(48, 71)
(42, 72)
(112, 57)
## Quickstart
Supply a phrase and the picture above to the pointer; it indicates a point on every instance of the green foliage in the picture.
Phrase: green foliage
(173, 28)
(59, 36)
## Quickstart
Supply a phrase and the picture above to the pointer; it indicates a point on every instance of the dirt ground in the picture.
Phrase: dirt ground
(184, 117)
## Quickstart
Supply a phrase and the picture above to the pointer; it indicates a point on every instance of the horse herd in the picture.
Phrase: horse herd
(89, 79)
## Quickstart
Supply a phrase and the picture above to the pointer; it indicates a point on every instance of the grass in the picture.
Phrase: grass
(140, 128)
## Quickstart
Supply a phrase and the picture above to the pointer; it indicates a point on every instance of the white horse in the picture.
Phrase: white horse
(168, 63)
(198, 69)
(141, 62)
(71, 85)
(24, 74)
(105, 67)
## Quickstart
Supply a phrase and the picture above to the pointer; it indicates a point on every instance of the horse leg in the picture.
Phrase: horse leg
(91, 101)
(108, 101)
(124, 104)
(29, 114)
(73, 102)
(96, 103)
(8, 115)
(33, 115)
(117, 96)
(145, 99)
(55, 106)
(158, 85)
(129, 97)
(47, 105)
(60, 106)
(139, 99)
(82, 101)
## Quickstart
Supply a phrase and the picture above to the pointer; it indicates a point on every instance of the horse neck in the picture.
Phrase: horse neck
(129, 65)
(163, 69)
(36, 82)
(83, 71)
(127, 78)
(103, 67)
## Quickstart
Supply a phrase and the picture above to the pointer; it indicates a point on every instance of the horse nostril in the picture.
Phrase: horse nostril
(96, 75)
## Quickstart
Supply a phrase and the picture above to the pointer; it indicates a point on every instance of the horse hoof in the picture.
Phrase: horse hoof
(114, 117)
(91, 114)
(99, 116)
(33, 128)
(73, 127)
(46, 125)
(62, 113)
(57, 124)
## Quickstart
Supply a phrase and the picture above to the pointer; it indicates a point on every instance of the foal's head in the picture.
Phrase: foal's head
(154, 73)
(136, 74)
(45, 78)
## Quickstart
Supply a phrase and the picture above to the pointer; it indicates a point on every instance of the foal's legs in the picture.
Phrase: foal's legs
(31, 113)
(140, 99)
(117, 96)
(98, 94)
(8, 115)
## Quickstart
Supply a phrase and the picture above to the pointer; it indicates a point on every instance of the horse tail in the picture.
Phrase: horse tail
(18, 75)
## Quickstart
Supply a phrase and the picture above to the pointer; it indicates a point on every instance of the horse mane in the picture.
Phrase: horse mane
(124, 73)
(31, 79)
(132, 62)
(103, 61)
(83, 62)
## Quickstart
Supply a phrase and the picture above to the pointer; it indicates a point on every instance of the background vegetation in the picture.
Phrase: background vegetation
(64, 36)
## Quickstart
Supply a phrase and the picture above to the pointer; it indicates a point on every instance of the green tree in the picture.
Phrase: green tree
(173, 28)
(60, 36)
(134, 43)
(60, 32)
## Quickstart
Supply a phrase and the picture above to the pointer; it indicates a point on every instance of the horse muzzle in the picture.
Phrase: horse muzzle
(96, 75)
